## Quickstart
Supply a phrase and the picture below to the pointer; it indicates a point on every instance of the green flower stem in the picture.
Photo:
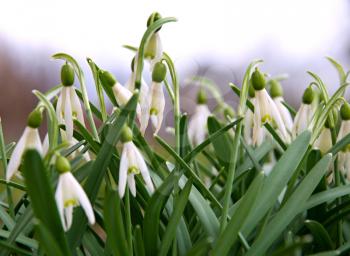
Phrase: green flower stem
(231, 173)
(80, 74)
(128, 221)
(4, 165)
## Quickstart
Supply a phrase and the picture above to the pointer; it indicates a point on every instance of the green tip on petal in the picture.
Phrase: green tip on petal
(308, 96)
(275, 89)
(62, 164)
(107, 78)
(35, 118)
(258, 80)
(159, 72)
(126, 134)
(345, 111)
(153, 18)
(67, 75)
(201, 97)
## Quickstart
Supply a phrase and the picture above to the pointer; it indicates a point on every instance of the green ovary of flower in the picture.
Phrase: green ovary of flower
(346, 148)
(266, 119)
(134, 170)
(153, 111)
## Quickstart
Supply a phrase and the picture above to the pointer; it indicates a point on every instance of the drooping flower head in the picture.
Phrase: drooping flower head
(30, 139)
(276, 92)
(157, 96)
(154, 48)
(324, 140)
(249, 119)
(344, 154)
(197, 126)
(265, 111)
(131, 164)
(68, 104)
(305, 113)
(121, 93)
(70, 194)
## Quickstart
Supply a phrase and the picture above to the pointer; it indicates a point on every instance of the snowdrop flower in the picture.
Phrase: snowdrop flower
(30, 139)
(144, 96)
(265, 111)
(131, 163)
(197, 126)
(157, 96)
(69, 194)
(154, 48)
(304, 114)
(121, 93)
(277, 96)
(324, 141)
(249, 119)
(68, 104)
(344, 154)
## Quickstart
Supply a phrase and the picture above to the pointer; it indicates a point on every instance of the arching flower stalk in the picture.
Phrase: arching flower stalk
(265, 111)
(68, 104)
(197, 125)
(157, 96)
(70, 194)
(344, 154)
(131, 164)
(276, 92)
(305, 113)
(30, 139)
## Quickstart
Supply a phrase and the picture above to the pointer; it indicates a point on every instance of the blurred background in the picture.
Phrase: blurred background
(216, 39)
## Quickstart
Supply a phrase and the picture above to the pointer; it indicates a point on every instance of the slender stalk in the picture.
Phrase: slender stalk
(4, 164)
(128, 221)
(230, 177)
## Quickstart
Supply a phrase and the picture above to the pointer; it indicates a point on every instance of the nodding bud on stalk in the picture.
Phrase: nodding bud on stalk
(308, 96)
(345, 111)
(201, 97)
(275, 89)
(67, 75)
(327, 124)
(159, 72)
(153, 18)
(126, 134)
(62, 165)
(107, 78)
(35, 118)
(251, 90)
(258, 80)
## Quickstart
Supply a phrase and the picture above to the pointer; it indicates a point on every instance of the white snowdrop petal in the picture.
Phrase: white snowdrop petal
(123, 172)
(16, 157)
(68, 212)
(60, 203)
(76, 106)
(68, 118)
(131, 184)
(284, 112)
(143, 169)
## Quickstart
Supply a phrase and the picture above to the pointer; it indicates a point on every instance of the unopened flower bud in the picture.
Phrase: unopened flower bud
(126, 134)
(345, 111)
(67, 75)
(275, 89)
(258, 80)
(327, 124)
(251, 91)
(62, 164)
(153, 18)
(308, 96)
(159, 72)
(201, 97)
(34, 119)
(107, 78)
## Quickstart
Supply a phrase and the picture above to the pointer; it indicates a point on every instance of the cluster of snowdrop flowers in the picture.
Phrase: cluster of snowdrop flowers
(197, 126)
(265, 111)
(131, 163)
(30, 139)
(70, 194)
(344, 154)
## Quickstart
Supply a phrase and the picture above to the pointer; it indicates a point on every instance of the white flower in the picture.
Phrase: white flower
(302, 119)
(69, 194)
(69, 107)
(344, 155)
(144, 100)
(324, 141)
(30, 139)
(123, 95)
(248, 124)
(197, 126)
(157, 49)
(265, 111)
(284, 112)
(157, 105)
(131, 163)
